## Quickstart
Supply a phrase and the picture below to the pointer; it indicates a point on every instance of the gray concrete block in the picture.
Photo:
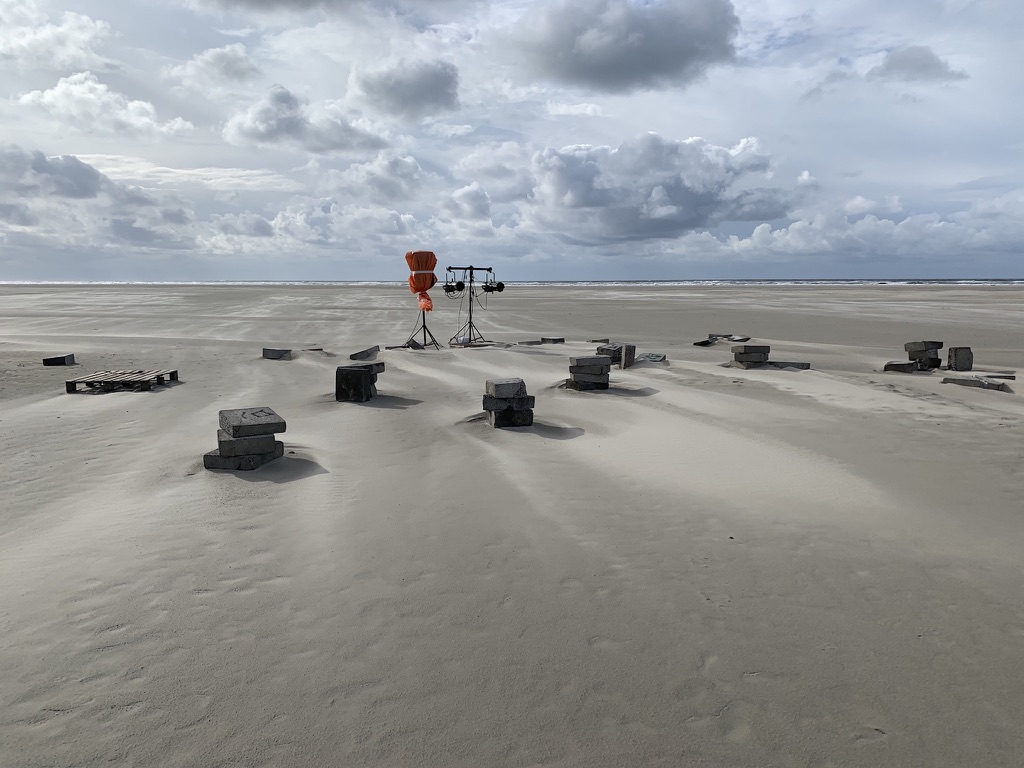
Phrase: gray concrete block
(530, 343)
(213, 459)
(552, 339)
(509, 418)
(269, 353)
(492, 403)
(245, 422)
(628, 355)
(585, 386)
(613, 351)
(593, 378)
(751, 349)
(981, 382)
(602, 360)
(788, 364)
(598, 341)
(365, 354)
(901, 366)
(244, 446)
(375, 367)
(745, 366)
(59, 360)
(922, 346)
(751, 357)
(506, 387)
(592, 369)
(960, 359)
(924, 362)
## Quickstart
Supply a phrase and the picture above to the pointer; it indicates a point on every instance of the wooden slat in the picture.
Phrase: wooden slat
(143, 377)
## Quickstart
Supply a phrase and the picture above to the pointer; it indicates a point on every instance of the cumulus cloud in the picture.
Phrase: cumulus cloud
(387, 178)
(230, 63)
(620, 45)
(283, 118)
(29, 38)
(649, 187)
(915, 63)
(503, 169)
(90, 106)
(470, 202)
(410, 89)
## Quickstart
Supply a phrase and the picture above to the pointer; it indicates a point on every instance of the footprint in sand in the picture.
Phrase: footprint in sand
(867, 735)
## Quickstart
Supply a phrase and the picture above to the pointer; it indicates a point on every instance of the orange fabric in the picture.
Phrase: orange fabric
(421, 265)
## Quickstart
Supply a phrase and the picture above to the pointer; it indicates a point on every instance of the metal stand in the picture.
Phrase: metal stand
(426, 333)
(468, 333)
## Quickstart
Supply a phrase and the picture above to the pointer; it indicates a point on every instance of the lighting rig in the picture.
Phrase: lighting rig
(457, 280)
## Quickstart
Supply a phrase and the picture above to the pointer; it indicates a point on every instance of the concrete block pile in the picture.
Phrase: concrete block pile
(589, 373)
(246, 439)
(507, 403)
(750, 355)
(622, 354)
(356, 383)
(921, 356)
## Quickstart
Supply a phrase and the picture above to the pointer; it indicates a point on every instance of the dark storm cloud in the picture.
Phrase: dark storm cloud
(283, 118)
(33, 174)
(412, 89)
(618, 45)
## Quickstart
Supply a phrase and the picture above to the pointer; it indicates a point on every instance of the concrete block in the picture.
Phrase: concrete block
(751, 357)
(506, 387)
(585, 386)
(628, 355)
(613, 351)
(353, 383)
(598, 341)
(508, 403)
(492, 403)
(751, 349)
(593, 378)
(510, 418)
(960, 359)
(365, 354)
(59, 360)
(786, 364)
(552, 339)
(374, 368)
(413, 344)
(901, 366)
(245, 422)
(602, 360)
(213, 459)
(746, 366)
(530, 343)
(269, 353)
(922, 346)
(981, 382)
(925, 363)
(592, 369)
(243, 446)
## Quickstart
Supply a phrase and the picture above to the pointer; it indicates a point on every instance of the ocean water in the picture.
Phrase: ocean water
(579, 283)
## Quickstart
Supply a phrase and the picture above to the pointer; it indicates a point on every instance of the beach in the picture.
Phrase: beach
(701, 566)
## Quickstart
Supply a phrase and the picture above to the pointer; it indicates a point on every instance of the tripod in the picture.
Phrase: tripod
(422, 326)
(468, 333)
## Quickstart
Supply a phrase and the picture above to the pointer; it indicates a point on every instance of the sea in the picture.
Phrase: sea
(579, 283)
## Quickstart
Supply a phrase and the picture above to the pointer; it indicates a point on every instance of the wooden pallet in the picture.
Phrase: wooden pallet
(110, 380)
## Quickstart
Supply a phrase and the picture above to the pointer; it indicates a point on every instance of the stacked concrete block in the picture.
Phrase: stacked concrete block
(589, 373)
(246, 439)
(750, 355)
(59, 360)
(356, 383)
(924, 353)
(960, 359)
(611, 350)
(507, 403)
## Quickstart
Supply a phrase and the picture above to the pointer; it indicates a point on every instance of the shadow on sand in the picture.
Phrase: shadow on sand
(284, 470)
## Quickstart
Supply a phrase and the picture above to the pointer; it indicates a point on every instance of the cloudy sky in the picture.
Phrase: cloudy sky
(551, 139)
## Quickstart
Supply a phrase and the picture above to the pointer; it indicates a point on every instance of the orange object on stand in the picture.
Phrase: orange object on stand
(422, 278)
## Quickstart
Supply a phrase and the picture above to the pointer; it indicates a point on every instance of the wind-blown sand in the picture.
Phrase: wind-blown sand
(702, 566)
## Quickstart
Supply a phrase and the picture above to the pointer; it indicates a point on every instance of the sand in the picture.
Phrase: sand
(702, 566)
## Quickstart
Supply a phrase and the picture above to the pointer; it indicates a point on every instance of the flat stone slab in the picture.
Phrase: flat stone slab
(270, 353)
(245, 422)
(213, 459)
(509, 418)
(59, 360)
(980, 382)
(602, 360)
(552, 339)
(751, 357)
(786, 364)
(922, 346)
(751, 349)
(592, 369)
(505, 387)
(585, 386)
(592, 378)
(244, 446)
(365, 354)
(492, 403)
(960, 359)
(901, 366)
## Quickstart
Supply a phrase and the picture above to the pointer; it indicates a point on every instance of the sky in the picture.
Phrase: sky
(551, 140)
